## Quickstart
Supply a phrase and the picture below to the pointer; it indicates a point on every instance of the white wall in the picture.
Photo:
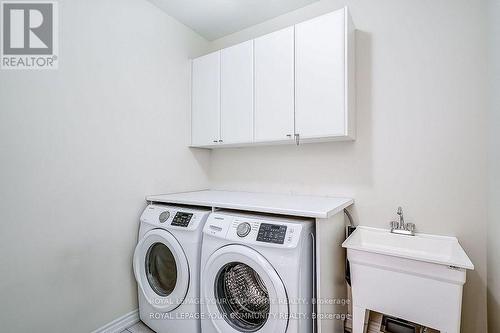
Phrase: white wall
(421, 126)
(494, 203)
(80, 147)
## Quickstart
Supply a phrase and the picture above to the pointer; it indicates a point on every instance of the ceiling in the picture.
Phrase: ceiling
(217, 18)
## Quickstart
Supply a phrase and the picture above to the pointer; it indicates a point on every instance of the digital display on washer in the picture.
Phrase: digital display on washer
(271, 233)
(182, 219)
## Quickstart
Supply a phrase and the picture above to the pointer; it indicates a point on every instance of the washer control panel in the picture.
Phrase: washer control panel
(263, 231)
(271, 233)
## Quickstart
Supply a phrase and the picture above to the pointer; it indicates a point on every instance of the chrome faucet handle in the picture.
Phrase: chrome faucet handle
(410, 227)
(394, 225)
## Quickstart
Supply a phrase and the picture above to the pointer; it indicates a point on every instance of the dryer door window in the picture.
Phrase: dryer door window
(161, 269)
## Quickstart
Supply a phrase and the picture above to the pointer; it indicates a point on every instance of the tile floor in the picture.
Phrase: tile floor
(138, 328)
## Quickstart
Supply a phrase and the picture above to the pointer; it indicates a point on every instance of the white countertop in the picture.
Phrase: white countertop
(285, 204)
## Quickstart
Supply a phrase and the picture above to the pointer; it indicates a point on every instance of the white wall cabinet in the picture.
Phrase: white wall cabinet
(293, 85)
(237, 94)
(205, 103)
(274, 86)
(321, 77)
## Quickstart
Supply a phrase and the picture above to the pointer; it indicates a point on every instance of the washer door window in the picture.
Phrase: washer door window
(161, 270)
(243, 292)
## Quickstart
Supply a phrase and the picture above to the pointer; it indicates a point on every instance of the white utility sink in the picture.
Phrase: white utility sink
(442, 250)
(417, 278)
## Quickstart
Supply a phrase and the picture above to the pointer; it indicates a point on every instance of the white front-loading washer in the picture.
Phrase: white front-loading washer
(257, 274)
(166, 267)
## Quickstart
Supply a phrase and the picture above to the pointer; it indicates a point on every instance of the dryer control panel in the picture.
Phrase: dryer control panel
(171, 217)
(263, 231)
(182, 219)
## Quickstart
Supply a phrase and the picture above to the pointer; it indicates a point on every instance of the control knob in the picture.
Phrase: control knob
(243, 229)
(164, 216)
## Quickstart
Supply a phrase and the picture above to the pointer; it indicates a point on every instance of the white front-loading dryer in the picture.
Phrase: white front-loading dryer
(257, 274)
(166, 267)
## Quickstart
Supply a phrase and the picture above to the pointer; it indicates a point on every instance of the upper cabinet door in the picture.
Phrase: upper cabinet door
(205, 112)
(237, 93)
(274, 86)
(320, 65)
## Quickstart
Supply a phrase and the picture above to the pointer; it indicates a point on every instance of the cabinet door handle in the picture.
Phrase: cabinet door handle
(215, 141)
(288, 135)
(221, 141)
(297, 139)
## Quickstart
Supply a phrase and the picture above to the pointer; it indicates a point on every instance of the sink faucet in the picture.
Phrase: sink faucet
(401, 227)
(401, 217)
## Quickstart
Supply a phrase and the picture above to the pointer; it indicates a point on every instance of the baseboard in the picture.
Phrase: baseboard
(119, 324)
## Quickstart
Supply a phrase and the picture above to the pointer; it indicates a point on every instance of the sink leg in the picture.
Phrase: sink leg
(359, 319)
